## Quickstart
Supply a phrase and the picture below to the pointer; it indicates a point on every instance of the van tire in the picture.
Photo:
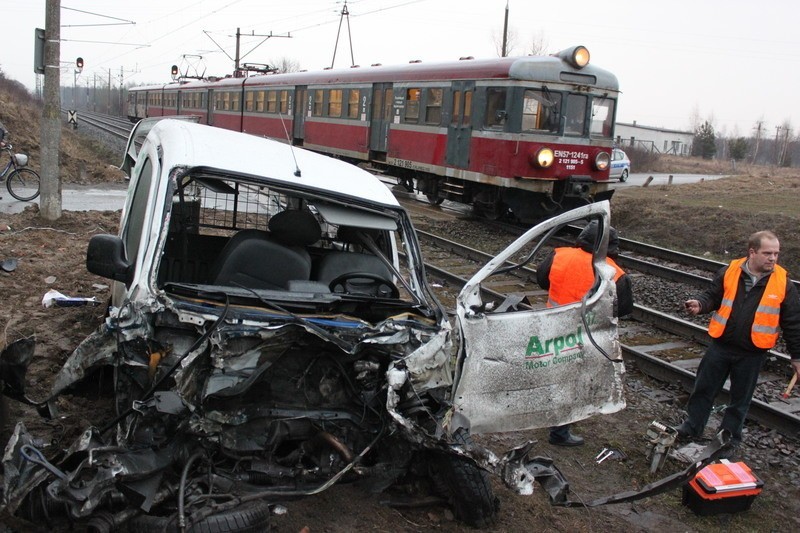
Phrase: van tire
(466, 487)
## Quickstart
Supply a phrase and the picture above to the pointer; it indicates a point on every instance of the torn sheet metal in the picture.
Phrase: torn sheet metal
(538, 368)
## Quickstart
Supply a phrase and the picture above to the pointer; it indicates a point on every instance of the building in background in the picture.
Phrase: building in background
(653, 139)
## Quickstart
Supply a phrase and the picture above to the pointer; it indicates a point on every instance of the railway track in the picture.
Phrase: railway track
(115, 126)
(664, 347)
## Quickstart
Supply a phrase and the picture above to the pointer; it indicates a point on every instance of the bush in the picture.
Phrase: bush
(642, 160)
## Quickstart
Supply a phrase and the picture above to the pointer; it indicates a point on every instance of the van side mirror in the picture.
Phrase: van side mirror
(105, 257)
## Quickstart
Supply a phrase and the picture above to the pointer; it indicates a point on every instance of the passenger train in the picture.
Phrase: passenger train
(526, 137)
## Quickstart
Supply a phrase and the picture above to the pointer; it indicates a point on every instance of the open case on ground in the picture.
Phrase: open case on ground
(722, 487)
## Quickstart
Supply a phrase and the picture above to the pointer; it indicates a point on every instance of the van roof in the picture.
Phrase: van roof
(197, 145)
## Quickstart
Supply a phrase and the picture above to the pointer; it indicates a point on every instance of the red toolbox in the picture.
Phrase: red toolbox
(722, 487)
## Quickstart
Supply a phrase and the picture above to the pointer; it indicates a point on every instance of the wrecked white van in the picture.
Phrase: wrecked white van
(272, 332)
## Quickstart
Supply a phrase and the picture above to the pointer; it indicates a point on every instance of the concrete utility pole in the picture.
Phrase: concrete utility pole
(50, 201)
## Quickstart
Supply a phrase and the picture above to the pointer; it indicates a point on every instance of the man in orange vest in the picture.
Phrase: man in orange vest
(750, 299)
(568, 274)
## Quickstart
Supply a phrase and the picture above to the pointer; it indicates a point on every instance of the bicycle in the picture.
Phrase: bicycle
(23, 183)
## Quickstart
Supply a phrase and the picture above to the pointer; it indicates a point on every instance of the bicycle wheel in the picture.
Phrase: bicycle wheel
(23, 184)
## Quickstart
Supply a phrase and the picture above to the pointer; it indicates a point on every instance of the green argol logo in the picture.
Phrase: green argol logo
(557, 350)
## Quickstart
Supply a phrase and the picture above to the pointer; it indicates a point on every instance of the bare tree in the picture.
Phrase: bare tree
(285, 64)
(783, 137)
(759, 127)
(538, 45)
(511, 42)
(694, 118)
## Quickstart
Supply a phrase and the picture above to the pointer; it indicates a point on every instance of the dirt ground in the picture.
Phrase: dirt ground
(711, 218)
(51, 256)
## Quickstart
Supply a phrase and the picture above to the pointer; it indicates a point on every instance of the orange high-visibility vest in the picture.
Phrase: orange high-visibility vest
(764, 332)
(571, 275)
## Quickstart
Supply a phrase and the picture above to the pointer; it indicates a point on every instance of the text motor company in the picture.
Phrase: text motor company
(555, 351)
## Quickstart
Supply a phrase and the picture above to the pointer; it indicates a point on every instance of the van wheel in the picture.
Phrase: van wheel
(466, 487)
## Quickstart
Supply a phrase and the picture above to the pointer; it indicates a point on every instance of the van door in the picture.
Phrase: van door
(459, 131)
(532, 367)
(381, 117)
(301, 107)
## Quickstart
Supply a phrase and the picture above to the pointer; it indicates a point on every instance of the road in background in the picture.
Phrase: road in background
(104, 197)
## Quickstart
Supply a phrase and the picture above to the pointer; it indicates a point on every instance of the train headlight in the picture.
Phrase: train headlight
(577, 56)
(544, 157)
(580, 57)
(602, 161)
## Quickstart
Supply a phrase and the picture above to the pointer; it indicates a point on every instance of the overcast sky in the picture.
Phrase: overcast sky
(733, 61)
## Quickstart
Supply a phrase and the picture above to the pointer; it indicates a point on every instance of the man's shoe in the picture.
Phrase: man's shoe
(569, 440)
(685, 433)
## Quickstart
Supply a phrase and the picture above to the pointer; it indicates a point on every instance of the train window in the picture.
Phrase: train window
(496, 107)
(260, 97)
(284, 101)
(235, 101)
(249, 101)
(272, 101)
(412, 105)
(459, 110)
(433, 106)
(540, 111)
(353, 97)
(377, 105)
(602, 117)
(335, 103)
(317, 110)
(576, 114)
(388, 95)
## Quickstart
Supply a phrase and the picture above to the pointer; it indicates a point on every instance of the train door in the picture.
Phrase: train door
(300, 112)
(210, 105)
(459, 131)
(381, 117)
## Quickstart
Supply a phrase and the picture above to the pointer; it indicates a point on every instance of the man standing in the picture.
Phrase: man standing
(750, 298)
(568, 274)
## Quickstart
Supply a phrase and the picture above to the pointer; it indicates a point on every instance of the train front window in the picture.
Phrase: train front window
(496, 113)
(602, 117)
(576, 114)
(540, 111)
